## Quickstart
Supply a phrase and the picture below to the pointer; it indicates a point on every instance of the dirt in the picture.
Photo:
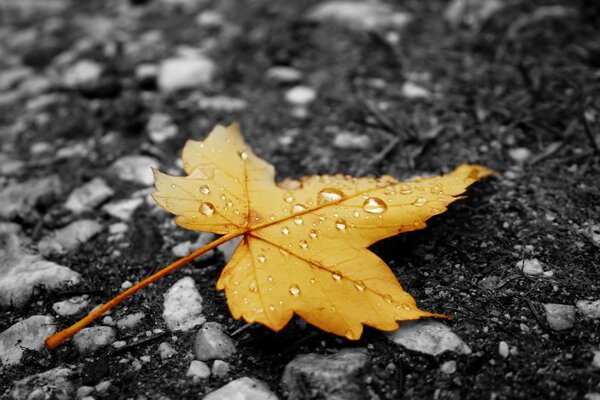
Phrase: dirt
(493, 92)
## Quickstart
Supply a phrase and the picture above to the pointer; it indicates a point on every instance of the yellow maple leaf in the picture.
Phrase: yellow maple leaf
(304, 247)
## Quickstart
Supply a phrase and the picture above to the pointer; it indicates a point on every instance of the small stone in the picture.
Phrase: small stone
(596, 360)
(532, 267)
(560, 316)
(242, 389)
(81, 74)
(126, 285)
(222, 103)
(166, 351)
(160, 128)
(52, 384)
(72, 306)
(84, 391)
(69, 237)
(181, 249)
(429, 337)
(130, 321)
(185, 73)
(360, 15)
(19, 199)
(220, 368)
(589, 309)
(11, 166)
(449, 367)
(183, 306)
(592, 396)
(198, 370)
(88, 196)
(348, 140)
(209, 19)
(300, 95)
(519, 154)
(91, 339)
(27, 334)
(136, 169)
(211, 343)
(118, 228)
(123, 209)
(103, 386)
(411, 90)
(471, 12)
(337, 377)
(503, 349)
(283, 74)
(118, 344)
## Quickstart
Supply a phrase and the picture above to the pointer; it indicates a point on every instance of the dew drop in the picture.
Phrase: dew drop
(204, 189)
(336, 276)
(298, 220)
(236, 283)
(303, 244)
(313, 234)
(283, 252)
(419, 202)
(340, 224)
(298, 208)
(313, 280)
(228, 204)
(243, 155)
(437, 189)
(261, 258)
(407, 308)
(270, 278)
(272, 217)
(245, 300)
(356, 214)
(374, 205)
(294, 290)
(288, 198)
(387, 298)
(271, 307)
(207, 209)
(359, 285)
(328, 195)
(285, 230)
(405, 189)
(280, 302)
(252, 287)
(173, 186)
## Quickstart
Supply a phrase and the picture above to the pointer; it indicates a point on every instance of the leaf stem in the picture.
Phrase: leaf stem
(59, 337)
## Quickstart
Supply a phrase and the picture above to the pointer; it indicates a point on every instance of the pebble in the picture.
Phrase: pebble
(360, 15)
(126, 285)
(212, 343)
(449, 367)
(84, 391)
(348, 140)
(137, 169)
(118, 228)
(52, 384)
(183, 306)
(429, 337)
(82, 73)
(160, 128)
(88, 196)
(503, 349)
(11, 166)
(72, 306)
(123, 209)
(532, 267)
(589, 309)
(596, 359)
(185, 73)
(130, 321)
(103, 386)
(560, 316)
(70, 237)
(198, 370)
(19, 199)
(27, 334)
(411, 90)
(209, 19)
(283, 74)
(220, 368)
(336, 377)
(91, 339)
(471, 12)
(242, 389)
(165, 350)
(519, 154)
(300, 95)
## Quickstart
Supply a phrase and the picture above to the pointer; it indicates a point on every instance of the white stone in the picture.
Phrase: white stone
(560, 317)
(209, 19)
(411, 90)
(300, 95)
(348, 140)
(21, 198)
(91, 339)
(103, 386)
(165, 351)
(82, 73)
(136, 169)
(69, 237)
(84, 391)
(160, 128)
(130, 321)
(503, 349)
(283, 74)
(123, 209)
(589, 309)
(449, 367)
(72, 306)
(198, 370)
(360, 15)
(428, 336)
(52, 384)
(532, 267)
(28, 334)
(88, 196)
(183, 306)
(185, 73)
(220, 368)
(242, 389)
(596, 359)
(519, 154)
(117, 228)
(212, 343)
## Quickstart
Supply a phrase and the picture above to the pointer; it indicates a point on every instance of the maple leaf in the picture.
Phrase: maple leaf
(304, 247)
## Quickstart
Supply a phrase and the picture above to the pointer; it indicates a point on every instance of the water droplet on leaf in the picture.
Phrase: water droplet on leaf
(328, 195)
(374, 205)
(207, 209)
(294, 290)
(340, 224)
